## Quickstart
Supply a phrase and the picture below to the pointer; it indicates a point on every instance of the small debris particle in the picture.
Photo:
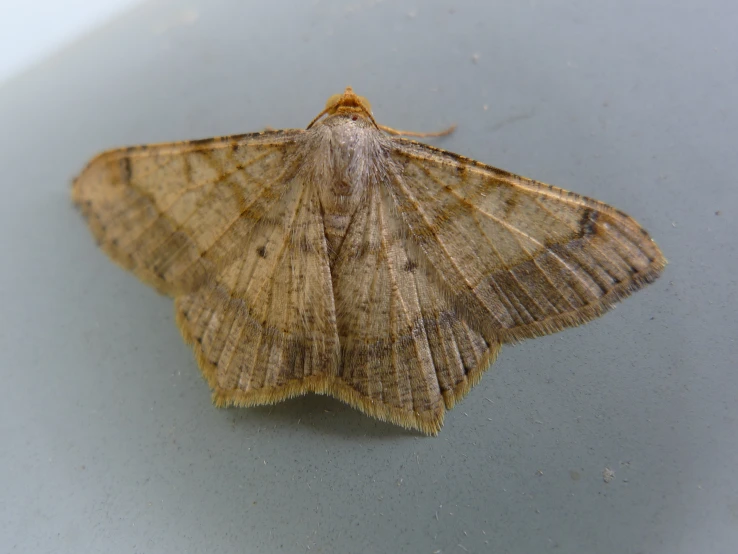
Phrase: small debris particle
(608, 475)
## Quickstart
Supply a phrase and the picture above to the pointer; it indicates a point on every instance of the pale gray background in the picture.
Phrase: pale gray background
(32, 29)
(109, 440)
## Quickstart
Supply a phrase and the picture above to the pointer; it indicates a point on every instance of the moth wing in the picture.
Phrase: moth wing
(406, 355)
(172, 212)
(264, 328)
(520, 258)
(233, 230)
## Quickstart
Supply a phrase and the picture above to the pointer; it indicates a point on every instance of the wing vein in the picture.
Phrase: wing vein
(162, 212)
(515, 230)
(395, 293)
(553, 216)
(429, 225)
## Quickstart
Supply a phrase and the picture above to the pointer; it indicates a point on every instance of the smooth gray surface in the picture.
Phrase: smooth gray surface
(109, 440)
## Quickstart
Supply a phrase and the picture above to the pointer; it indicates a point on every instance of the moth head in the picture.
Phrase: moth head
(348, 102)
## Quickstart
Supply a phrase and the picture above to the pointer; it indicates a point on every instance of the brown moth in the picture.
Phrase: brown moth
(342, 260)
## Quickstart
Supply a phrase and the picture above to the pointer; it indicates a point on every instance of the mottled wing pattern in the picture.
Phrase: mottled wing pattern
(172, 212)
(406, 355)
(442, 261)
(264, 327)
(520, 258)
(230, 229)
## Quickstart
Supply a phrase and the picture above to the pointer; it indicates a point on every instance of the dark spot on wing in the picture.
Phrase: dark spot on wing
(511, 203)
(125, 170)
(587, 223)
